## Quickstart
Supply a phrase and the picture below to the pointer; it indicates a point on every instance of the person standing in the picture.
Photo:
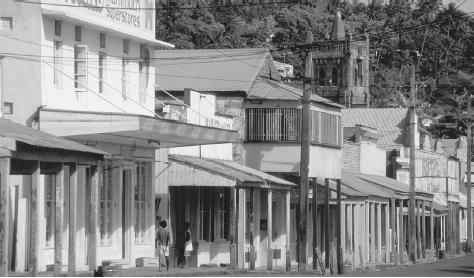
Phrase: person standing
(162, 243)
(188, 244)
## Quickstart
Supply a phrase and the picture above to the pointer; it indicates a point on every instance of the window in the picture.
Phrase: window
(214, 206)
(126, 44)
(124, 77)
(106, 205)
(57, 28)
(140, 203)
(330, 126)
(102, 40)
(144, 69)
(335, 75)
(58, 63)
(50, 203)
(322, 77)
(78, 33)
(80, 67)
(273, 124)
(102, 65)
(7, 108)
(356, 74)
(6, 23)
(360, 71)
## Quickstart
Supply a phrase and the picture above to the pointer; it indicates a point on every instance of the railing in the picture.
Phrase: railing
(273, 124)
(284, 125)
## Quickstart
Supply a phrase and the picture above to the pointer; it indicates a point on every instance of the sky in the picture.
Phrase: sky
(466, 5)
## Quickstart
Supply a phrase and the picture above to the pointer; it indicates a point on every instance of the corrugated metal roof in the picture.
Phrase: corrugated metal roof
(353, 181)
(390, 183)
(230, 169)
(41, 139)
(209, 69)
(391, 123)
(268, 89)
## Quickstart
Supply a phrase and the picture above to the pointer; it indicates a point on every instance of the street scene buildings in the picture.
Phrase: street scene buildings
(106, 133)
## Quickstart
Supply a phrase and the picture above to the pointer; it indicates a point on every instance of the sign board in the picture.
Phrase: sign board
(132, 15)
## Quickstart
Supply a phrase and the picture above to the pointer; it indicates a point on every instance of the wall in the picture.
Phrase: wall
(21, 77)
(351, 154)
(372, 159)
(111, 100)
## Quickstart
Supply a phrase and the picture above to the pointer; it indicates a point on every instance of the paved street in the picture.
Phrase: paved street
(461, 266)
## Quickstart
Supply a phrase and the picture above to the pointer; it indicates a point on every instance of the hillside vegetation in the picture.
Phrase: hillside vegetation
(437, 39)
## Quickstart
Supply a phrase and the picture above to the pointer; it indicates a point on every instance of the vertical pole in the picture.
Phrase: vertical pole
(58, 221)
(431, 227)
(372, 232)
(423, 229)
(72, 220)
(387, 234)
(447, 232)
(327, 213)
(304, 163)
(269, 231)
(241, 228)
(469, 159)
(252, 229)
(401, 241)
(4, 208)
(94, 200)
(315, 219)
(340, 265)
(379, 232)
(34, 223)
(233, 225)
(288, 228)
(418, 230)
(411, 208)
(367, 243)
(349, 233)
(393, 221)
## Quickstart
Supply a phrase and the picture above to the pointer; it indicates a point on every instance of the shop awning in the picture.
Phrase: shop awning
(355, 182)
(241, 175)
(26, 143)
(129, 129)
(400, 188)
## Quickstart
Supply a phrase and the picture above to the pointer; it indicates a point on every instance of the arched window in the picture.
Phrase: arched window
(322, 77)
(366, 98)
(335, 76)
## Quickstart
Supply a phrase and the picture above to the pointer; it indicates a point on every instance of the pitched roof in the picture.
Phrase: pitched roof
(338, 33)
(391, 123)
(41, 139)
(212, 69)
(265, 88)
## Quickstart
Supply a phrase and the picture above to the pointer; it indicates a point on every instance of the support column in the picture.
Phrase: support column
(378, 256)
(359, 225)
(269, 230)
(339, 230)
(252, 229)
(327, 215)
(393, 221)
(423, 229)
(432, 227)
(71, 269)
(241, 228)
(58, 221)
(418, 230)
(288, 229)
(348, 243)
(367, 243)
(4, 208)
(315, 219)
(388, 245)
(401, 241)
(372, 233)
(94, 208)
(233, 224)
(34, 223)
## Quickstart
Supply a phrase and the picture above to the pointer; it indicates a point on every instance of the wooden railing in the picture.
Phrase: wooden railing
(284, 125)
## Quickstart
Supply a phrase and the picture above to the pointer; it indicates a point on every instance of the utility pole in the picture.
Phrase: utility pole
(411, 207)
(304, 163)
(469, 159)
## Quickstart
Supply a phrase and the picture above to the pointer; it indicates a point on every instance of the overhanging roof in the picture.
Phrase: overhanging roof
(36, 138)
(129, 129)
(353, 181)
(243, 175)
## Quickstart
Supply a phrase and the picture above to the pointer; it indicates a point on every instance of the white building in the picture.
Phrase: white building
(82, 70)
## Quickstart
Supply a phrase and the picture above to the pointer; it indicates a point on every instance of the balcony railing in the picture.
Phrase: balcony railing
(284, 125)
